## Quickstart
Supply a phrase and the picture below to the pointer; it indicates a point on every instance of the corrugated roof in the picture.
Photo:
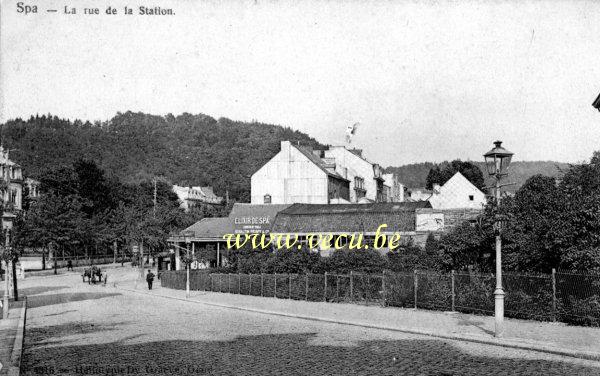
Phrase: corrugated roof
(307, 218)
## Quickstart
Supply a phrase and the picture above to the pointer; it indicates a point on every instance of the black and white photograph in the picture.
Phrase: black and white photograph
(277, 187)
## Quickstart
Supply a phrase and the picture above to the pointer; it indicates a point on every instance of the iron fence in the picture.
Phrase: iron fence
(560, 296)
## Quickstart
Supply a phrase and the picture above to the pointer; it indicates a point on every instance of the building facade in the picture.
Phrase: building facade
(366, 178)
(298, 174)
(396, 187)
(11, 188)
(190, 197)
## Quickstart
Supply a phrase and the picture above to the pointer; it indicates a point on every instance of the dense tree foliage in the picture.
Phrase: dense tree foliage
(82, 212)
(135, 147)
(440, 174)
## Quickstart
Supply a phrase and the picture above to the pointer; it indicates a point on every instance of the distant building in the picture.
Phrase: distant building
(396, 193)
(11, 188)
(418, 194)
(298, 174)
(33, 188)
(457, 193)
(366, 178)
(196, 196)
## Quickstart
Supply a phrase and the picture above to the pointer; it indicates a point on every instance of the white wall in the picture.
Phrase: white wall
(454, 194)
(289, 177)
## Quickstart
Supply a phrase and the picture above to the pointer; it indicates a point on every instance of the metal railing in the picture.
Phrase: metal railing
(560, 296)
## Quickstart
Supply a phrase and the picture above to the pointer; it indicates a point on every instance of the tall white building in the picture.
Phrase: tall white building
(298, 174)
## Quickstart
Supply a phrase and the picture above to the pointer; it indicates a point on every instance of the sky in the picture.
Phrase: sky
(427, 81)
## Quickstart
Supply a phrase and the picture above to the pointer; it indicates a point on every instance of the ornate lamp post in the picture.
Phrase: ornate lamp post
(497, 161)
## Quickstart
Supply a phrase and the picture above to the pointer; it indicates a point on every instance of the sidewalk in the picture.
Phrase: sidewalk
(555, 338)
(8, 332)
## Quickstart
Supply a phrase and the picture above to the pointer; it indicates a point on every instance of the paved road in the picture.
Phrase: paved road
(74, 328)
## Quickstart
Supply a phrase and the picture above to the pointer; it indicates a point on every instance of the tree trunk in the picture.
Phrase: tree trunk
(43, 259)
(14, 273)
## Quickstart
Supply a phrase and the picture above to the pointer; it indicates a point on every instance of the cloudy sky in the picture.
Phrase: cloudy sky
(428, 81)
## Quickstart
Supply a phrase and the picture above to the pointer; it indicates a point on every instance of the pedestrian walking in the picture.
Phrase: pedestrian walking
(69, 265)
(150, 279)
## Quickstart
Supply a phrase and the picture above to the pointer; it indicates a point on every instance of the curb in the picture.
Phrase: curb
(15, 358)
(588, 355)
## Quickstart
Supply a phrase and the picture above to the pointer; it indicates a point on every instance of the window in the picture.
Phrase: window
(471, 198)
(359, 183)
(267, 199)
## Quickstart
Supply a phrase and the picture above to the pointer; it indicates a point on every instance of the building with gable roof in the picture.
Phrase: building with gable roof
(298, 174)
(457, 193)
(196, 196)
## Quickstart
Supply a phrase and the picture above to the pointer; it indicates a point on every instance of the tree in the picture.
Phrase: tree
(361, 260)
(56, 222)
(547, 225)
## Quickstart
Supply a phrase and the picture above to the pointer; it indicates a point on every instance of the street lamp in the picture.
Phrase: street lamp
(187, 236)
(497, 161)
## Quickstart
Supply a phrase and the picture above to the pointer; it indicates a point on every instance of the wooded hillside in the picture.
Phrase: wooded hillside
(185, 149)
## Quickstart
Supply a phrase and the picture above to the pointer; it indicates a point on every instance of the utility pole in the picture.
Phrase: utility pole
(154, 199)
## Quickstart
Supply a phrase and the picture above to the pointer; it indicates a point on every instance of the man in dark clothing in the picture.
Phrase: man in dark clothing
(149, 279)
(69, 265)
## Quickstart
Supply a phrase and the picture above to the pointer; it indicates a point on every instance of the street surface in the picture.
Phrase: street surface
(77, 329)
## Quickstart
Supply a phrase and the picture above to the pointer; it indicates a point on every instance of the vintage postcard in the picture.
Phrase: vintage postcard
(279, 187)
